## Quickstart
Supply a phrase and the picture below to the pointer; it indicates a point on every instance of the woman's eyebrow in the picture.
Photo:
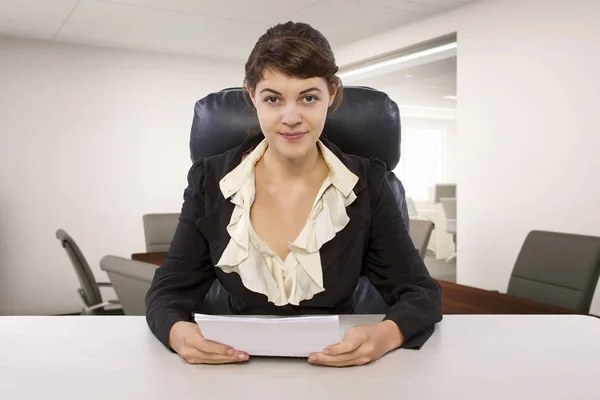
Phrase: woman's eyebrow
(302, 92)
(310, 90)
(271, 90)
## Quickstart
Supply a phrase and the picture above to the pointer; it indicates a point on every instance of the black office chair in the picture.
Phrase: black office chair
(366, 124)
(557, 268)
(93, 304)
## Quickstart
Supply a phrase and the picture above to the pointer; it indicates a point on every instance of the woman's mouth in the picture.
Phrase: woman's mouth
(292, 136)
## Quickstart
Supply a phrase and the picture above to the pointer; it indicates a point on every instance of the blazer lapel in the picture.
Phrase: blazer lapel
(214, 225)
(332, 250)
(214, 228)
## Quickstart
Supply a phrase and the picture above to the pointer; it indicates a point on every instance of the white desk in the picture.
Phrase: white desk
(469, 357)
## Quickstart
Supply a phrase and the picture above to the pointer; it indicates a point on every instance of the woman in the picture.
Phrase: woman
(287, 222)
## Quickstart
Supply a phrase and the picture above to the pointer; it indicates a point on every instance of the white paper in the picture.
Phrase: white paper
(272, 336)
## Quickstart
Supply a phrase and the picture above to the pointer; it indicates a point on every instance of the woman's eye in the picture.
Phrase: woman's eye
(271, 100)
(310, 99)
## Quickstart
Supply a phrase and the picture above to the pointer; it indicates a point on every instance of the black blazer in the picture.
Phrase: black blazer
(375, 242)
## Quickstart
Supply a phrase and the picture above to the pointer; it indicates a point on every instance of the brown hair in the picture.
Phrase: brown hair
(298, 50)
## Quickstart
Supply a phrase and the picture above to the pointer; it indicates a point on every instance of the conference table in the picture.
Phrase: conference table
(501, 357)
(456, 298)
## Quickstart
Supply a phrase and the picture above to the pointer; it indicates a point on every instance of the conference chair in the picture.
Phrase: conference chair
(442, 190)
(420, 233)
(131, 280)
(449, 206)
(159, 230)
(366, 124)
(93, 304)
(412, 208)
(556, 268)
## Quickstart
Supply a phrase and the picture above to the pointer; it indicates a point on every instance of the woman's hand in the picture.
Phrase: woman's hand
(361, 345)
(187, 340)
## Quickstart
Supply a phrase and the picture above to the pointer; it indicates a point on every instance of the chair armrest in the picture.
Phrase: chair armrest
(88, 310)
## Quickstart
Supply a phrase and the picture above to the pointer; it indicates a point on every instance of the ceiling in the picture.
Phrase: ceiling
(425, 85)
(218, 29)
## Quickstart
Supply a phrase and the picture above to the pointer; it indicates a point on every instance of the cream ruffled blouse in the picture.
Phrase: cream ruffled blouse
(300, 276)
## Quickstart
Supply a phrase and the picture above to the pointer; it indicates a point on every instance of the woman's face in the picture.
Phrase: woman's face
(291, 111)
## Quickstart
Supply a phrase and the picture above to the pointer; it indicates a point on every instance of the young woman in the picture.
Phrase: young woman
(287, 222)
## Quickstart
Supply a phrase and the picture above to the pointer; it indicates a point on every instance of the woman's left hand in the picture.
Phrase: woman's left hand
(361, 345)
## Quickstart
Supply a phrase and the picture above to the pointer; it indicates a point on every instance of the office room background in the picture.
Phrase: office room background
(95, 123)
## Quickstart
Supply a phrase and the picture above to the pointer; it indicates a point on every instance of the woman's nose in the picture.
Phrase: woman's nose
(291, 115)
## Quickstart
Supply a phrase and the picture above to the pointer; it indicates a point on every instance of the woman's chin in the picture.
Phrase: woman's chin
(294, 151)
(291, 155)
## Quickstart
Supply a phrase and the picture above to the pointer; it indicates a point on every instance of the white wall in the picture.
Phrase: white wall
(90, 139)
(434, 118)
(528, 126)
(450, 159)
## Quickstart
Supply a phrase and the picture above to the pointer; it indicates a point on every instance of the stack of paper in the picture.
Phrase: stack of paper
(268, 336)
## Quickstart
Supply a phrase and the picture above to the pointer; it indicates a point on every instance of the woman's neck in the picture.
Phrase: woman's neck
(284, 169)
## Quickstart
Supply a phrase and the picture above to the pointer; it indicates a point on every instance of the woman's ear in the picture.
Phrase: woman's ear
(332, 93)
(251, 93)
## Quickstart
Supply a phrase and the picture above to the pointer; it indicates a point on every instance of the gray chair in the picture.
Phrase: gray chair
(93, 304)
(557, 268)
(420, 233)
(449, 206)
(131, 280)
(411, 207)
(159, 230)
(442, 190)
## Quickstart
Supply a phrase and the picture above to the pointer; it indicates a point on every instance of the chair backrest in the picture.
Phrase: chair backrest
(449, 206)
(412, 208)
(90, 292)
(420, 233)
(557, 268)
(367, 124)
(159, 230)
(131, 280)
(444, 190)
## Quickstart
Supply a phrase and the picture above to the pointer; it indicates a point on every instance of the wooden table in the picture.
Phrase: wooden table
(156, 258)
(456, 299)
(461, 299)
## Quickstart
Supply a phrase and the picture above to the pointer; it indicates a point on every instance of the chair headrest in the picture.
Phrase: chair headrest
(366, 124)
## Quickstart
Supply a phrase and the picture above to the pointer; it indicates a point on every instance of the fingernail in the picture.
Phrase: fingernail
(230, 352)
(312, 358)
(327, 352)
(241, 356)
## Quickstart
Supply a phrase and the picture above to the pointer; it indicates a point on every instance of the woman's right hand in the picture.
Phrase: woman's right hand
(187, 340)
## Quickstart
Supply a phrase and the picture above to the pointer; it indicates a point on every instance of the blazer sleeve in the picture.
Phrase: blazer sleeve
(187, 273)
(395, 268)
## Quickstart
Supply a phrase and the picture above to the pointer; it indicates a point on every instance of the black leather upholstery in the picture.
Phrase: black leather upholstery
(366, 124)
